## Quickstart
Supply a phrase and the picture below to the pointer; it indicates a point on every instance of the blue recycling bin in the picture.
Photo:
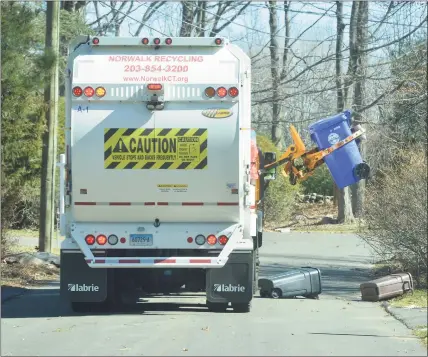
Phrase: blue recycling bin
(345, 164)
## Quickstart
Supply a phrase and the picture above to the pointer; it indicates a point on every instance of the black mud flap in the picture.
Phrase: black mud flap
(79, 282)
(232, 283)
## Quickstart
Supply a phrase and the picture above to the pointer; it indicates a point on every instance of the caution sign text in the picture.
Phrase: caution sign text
(160, 148)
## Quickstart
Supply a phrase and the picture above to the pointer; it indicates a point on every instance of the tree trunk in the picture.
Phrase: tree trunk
(358, 100)
(186, 19)
(344, 207)
(47, 188)
(276, 129)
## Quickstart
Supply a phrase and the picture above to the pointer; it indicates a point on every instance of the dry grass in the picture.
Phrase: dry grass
(417, 299)
(422, 333)
(307, 218)
(18, 275)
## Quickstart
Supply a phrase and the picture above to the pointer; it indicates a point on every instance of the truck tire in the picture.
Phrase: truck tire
(256, 263)
(217, 306)
(241, 307)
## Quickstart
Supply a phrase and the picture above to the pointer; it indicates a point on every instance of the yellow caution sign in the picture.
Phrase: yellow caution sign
(165, 149)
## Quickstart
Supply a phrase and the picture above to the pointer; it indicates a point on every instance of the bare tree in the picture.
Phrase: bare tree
(360, 62)
(201, 17)
(344, 214)
(276, 130)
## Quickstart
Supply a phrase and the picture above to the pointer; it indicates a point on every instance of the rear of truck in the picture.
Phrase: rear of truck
(156, 193)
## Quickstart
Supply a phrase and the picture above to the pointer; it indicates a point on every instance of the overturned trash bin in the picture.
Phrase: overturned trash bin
(305, 281)
(345, 163)
(386, 287)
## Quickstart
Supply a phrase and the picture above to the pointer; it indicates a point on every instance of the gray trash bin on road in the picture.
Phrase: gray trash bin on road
(305, 281)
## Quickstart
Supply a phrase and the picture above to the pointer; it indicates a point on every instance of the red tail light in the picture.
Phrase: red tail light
(233, 92)
(221, 92)
(211, 239)
(145, 41)
(218, 41)
(223, 240)
(101, 239)
(156, 41)
(89, 91)
(168, 41)
(154, 86)
(77, 91)
(90, 239)
(95, 41)
(123, 240)
(189, 240)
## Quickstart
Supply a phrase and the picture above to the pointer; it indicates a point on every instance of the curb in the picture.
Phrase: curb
(387, 307)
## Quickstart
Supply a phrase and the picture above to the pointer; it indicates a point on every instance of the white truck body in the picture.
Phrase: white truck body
(163, 176)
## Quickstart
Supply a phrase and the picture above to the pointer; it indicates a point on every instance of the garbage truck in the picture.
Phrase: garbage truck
(162, 182)
(158, 187)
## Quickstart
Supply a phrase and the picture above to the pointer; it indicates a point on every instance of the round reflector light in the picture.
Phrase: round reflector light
(95, 41)
(145, 41)
(77, 91)
(156, 41)
(210, 92)
(223, 240)
(189, 240)
(233, 92)
(218, 41)
(100, 92)
(211, 239)
(101, 239)
(112, 239)
(168, 41)
(123, 240)
(89, 91)
(200, 239)
(90, 239)
(221, 92)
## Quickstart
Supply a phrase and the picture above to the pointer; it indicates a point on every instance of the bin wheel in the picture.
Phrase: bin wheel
(276, 293)
(264, 293)
(217, 306)
(241, 307)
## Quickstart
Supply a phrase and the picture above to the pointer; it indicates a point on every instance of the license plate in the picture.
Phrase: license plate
(141, 239)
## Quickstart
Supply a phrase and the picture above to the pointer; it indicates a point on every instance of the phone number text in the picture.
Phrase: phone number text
(155, 68)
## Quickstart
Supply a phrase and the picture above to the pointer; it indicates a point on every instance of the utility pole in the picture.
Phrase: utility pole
(47, 187)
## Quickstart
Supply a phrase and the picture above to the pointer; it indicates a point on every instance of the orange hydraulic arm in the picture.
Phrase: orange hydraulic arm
(309, 160)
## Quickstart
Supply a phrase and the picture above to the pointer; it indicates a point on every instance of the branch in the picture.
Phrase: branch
(397, 40)
(154, 6)
(215, 30)
(381, 97)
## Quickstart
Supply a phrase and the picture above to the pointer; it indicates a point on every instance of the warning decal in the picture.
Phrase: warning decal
(167, 149)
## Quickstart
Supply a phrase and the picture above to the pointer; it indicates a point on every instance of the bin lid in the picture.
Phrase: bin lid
(325, 123)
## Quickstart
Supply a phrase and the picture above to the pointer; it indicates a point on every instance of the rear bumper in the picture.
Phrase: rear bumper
(236, 242)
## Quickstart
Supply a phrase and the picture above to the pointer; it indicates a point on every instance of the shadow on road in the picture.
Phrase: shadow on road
(46, 303)
(360, 335)
(336, 281)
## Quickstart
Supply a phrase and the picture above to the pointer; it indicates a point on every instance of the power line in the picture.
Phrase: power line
(130, 17)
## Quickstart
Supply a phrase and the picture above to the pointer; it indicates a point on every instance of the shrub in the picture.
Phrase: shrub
(396, 213)
(320, 182)
(280, 196)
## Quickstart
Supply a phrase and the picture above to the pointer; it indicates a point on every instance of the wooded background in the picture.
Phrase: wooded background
(309, 61)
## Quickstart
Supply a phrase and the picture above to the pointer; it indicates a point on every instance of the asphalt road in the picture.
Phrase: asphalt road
(38, 324)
